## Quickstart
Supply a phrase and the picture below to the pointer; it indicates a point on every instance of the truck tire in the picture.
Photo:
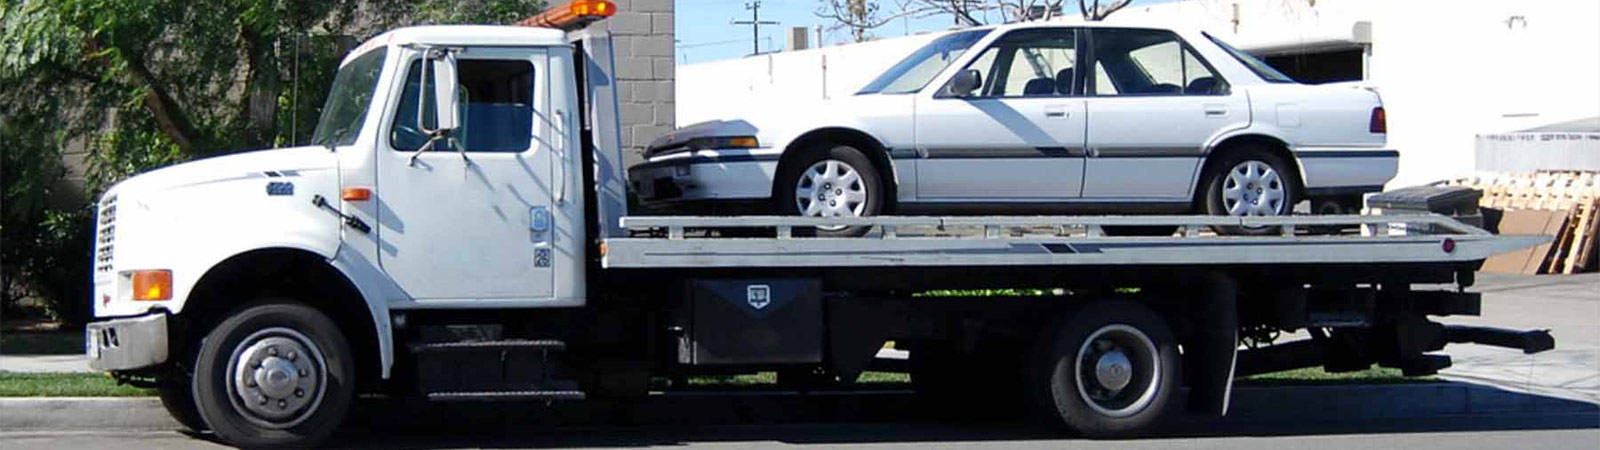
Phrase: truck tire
(276, 373)
(177, 396)
(1110, 370)
(829, 180)
(1250, 182)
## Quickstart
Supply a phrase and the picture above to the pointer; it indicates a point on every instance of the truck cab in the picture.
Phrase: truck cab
(444, 173)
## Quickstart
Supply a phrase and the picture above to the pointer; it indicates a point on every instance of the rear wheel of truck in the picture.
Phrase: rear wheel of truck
(830, 181)
(1111, 370)
(276, 373)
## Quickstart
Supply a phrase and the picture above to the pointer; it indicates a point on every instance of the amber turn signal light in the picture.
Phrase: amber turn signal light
(152, 285)
(355, 194)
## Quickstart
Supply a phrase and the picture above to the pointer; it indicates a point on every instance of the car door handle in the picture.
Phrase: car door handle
(1055, 111)
(1216, 110)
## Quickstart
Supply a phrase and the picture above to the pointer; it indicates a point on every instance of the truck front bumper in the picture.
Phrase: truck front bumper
(127, 343)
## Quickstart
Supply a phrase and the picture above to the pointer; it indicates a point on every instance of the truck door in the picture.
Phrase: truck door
(473, 219)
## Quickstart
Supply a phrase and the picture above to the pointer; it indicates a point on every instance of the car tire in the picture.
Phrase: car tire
(1261, 183)
(1133, 392)
(860, 193)
(276, 373)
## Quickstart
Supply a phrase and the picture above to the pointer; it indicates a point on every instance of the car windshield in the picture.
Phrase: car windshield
(1256, 65)
(348, 101)
(914, 72)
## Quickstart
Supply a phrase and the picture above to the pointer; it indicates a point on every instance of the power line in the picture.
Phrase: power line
(755, 24)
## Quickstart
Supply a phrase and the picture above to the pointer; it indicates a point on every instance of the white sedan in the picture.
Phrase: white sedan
(1040, 118)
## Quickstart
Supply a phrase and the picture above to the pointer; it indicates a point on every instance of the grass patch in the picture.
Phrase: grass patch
(14, 342)
(16, 384)
(1317, 376)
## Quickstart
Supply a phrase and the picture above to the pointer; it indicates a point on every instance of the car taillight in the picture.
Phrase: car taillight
(1380, 121)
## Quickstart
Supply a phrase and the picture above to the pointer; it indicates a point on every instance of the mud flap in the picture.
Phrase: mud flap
(1213, 349)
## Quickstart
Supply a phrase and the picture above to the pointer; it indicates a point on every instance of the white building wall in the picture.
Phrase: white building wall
(723, 89)
(1447, 70)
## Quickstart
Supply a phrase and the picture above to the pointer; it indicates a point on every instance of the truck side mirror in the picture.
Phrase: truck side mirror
(444, 90)
(963, 83)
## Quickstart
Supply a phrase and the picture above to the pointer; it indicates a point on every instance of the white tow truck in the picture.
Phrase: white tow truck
(459, 233)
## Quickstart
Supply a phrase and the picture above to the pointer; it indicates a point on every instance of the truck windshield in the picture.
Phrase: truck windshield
(347, 103)
(914, 72)
(1266, 72)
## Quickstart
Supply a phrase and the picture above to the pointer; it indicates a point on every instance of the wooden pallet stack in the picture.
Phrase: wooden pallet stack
(1570, 200)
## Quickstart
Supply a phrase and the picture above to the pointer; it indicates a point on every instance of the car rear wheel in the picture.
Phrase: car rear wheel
(1251, 182)
(830, 181)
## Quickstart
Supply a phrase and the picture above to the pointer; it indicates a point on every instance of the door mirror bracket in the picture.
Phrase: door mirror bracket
(439, 73)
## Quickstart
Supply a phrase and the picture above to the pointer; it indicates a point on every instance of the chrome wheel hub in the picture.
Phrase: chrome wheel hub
(278, 377)
(1118, 370)
(1253, 188)
(831, 188)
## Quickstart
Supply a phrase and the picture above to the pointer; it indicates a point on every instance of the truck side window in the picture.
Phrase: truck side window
(496, 107)
(1028, 63)
(1150, 62)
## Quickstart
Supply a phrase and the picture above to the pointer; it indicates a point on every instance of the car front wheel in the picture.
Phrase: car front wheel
(830, 181)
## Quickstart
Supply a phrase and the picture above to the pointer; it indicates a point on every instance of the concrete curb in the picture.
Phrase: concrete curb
(1356, 402)
(82, 413)
(1253, 404)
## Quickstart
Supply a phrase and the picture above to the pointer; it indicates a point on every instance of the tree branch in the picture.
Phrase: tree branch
(168, 115)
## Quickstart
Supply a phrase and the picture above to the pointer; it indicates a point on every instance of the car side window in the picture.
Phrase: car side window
(496, 108)
(1150, 62)
(1029, 63)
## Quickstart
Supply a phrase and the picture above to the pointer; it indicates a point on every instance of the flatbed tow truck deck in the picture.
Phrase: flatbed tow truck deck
(521, 276)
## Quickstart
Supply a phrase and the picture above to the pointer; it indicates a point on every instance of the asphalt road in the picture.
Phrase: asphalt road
(1576, 431)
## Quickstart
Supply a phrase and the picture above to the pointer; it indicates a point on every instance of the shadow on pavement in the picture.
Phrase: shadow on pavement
(901, 417)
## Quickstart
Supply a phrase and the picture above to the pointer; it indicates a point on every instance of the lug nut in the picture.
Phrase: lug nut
(299, 392)
(292, 355)
(262, 400)
(282, 404)
(250, 383)
(302, 372)
(272, 351)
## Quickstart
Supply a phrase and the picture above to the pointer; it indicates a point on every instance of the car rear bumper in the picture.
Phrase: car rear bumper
(706, 175)
(1347, 171)
(127, 343)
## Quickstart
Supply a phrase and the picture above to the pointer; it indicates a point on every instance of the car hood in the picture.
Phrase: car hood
(778, 125)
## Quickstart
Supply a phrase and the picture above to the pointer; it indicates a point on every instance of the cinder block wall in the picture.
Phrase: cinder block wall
(644, 50)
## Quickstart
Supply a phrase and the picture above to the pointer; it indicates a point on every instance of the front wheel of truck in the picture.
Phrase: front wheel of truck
(276, 373)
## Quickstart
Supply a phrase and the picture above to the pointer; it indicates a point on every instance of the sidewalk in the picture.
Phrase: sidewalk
(44, 363)
(1567, 305)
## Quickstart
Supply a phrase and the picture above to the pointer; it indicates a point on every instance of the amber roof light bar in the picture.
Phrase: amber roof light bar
(572, 15)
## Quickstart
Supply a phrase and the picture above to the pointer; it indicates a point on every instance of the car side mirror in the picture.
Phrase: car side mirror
(964, 83)
(444, 85)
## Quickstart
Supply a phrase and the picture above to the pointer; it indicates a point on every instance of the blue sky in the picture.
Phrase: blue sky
(704, 33)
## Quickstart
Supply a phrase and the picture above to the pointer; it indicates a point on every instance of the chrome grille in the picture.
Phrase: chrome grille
(106, 237)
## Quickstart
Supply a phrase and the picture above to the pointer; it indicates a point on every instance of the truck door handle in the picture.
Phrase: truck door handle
(1055, 111)
(1216, 110)
(561, 156)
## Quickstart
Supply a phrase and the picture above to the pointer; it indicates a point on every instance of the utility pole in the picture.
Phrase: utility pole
(755, 24)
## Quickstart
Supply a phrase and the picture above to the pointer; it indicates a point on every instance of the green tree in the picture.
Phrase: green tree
(148, 83)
